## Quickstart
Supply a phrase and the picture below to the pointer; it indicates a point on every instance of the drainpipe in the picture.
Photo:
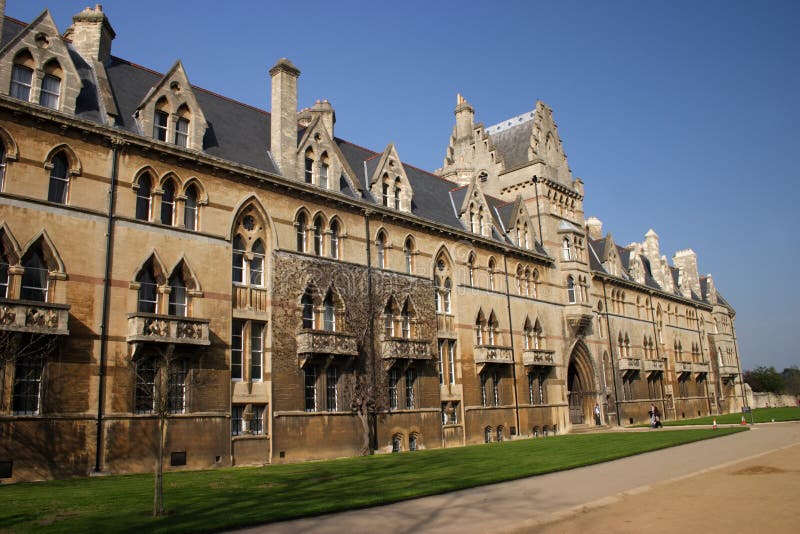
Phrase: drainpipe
(611, 351)
(511, 338)
(538, 215)
(739, 366)
(116, 145)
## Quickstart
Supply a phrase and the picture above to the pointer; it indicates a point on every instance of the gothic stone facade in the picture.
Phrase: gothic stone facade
(278, 294)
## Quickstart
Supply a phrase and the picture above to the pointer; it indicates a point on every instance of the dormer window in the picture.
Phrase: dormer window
(308, 172)
(323, 171)
(182, 132)
(22, 77)
(385, 194)
(397, 188)
(51, 91)
(160, 125)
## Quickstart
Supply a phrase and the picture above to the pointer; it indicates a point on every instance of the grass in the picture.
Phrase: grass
(229, 498)
(760, 415)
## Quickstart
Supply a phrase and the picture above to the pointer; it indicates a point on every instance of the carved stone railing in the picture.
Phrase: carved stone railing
(155, 328)
(538, 357)
(724, 370)
(684, 367)
(398, 348)
(653, 365)
(484, 354)
(630, 364)
(34, 317)
(310, 342)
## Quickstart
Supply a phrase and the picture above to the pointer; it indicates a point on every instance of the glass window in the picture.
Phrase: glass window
(484, 401)
(257, 264)
(182, 132)
(331, 388)
(570, 290)
(176, 393)
(143, 198)
(309, 170)
(256, 351)
(238, 259)
(397, 444)
(410, 378)
(308, 310)
(160, 125)
(412, 442)
(566, 253)
(21, 78)
(51, 91)
(311, 388)
(323, 175)
(451, 358)
(405, 318)
(257, 424)
(177, 295)
(397, 194)
(385, 194)
(34, 277)
(496, 388)
(190, 209)
(301, 232)
(393, 377)
(59, 179)
(380, 246)
(27, 385)
(441, 361)
(237, 349)
(446, 295)
(145, 385)
(2, 165)
(148, 299)
(334, 252)
(408, 251)
(318, 236)
(168, 203)
(236, 419)
(3, 277)
(329, 313)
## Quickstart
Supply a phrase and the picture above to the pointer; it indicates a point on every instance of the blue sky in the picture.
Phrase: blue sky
(678, 116)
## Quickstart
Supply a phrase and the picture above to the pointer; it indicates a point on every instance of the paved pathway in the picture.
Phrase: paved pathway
(520, 504)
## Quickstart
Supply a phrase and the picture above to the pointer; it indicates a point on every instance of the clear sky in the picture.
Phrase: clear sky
(680, 116)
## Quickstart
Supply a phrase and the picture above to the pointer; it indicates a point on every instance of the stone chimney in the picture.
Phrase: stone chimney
(324, 110)
(283, 122)
(594, 227)
(91, 34)
(465, 116)
(2, 17)
(686, 262)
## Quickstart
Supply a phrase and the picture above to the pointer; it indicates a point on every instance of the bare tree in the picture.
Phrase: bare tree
(19, 346)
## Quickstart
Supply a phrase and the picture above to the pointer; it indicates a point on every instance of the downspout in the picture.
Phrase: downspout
(658, 354)
(538, 215)
(116, 144)
(373, 439)
(611, 351)
(511, 338)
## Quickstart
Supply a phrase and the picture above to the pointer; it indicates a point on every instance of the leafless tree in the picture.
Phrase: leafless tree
(18, 346)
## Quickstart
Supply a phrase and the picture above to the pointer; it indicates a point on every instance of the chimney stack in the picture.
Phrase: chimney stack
(465, 115)
(686, 262)
(2, 17)
(594, 227)
(91, 34)
(283, 122)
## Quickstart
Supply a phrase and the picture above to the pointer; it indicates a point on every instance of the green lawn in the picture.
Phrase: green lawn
(760, 415)
(228, 498)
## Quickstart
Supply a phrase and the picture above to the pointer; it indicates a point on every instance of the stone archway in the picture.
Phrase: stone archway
(582, 390)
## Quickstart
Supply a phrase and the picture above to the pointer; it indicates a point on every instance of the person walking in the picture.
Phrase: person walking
(656, 417)
(597, 414)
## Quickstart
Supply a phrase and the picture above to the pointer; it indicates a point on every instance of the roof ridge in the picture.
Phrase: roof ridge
(21, 23)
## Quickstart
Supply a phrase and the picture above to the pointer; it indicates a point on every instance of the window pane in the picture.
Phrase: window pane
(143, 199)
(236, 419)
(393, 389)
(51, 90)
(160, 126)
(34, 278)
(256, 351)
(147, 291)
(182, 132)
(177, 296)
(410, 388)
(190, 209)
(27, 385)
(334, 240)
(145, 384)
(167, 203)
(59, 180)
(238, 259)
(237, 345)
(257, 424)
(311, 388)
(323, 175)
(176, 399)
(21, 82)
(308, 310)
(332, 385)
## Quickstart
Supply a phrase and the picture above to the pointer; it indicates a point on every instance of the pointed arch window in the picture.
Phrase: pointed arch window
(177, 295)
(527, 331)
(385, 191)
(566, 250)
(308, 166)
(380, 245)
(51, 91)
(397, 188)
(492, 268)
(59, 179)
(334, 249)
(21, 80)
(148, 296)
(307, 303)
(446, 295)
(318, 227)
(480, 326)
(405, 320)
(34, 277)
(257, 264)
(300, 228)
(160, 124)
(238, 259)
(190, 209)
(538, 336)
(388, 319)
(182, 127)
(408, 253)
(471, 269)
(323, 172)
(571, 290)
(168, 203)
(492, 330)
(329, 313)
(2, 165)
(143, 197)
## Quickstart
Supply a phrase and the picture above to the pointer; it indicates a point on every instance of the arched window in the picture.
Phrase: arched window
(318, 227)
(397, 187)
(308, 166)
(471, 269)
(408, 252)
(397, 443)
(161, 120)
(257, 264)
(493, 329)
(480, 327)
(385, 191)
(190, 209)
(388, 318)
(405, 320)
(566, 250)
(380, 245)
(334, 249)
(446, 295)
(412, 442)
(238, 259)
(527, 331)
(534, 282)
(481, 226)
(143, 198)
(168, 203)
(307, 302)
(51, 85)
(177, 295)
(328, 313)
(300, 228)
(4, 262)
(22, 76)
(538, 335)
(59, 179)
(323, 171)
(492, 267)
(34, 278)
(2, 165)
(571, 290)
(148, 297)
(182, 127)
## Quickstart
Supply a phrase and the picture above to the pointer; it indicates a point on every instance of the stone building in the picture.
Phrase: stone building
(276, 293)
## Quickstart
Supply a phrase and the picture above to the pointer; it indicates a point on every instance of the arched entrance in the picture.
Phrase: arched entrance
(580, 381)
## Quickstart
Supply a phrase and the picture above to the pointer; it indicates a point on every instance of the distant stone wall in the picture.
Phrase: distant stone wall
(758, 399)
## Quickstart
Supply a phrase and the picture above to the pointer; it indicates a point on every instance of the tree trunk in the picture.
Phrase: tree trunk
(158, 496)
(363, 418)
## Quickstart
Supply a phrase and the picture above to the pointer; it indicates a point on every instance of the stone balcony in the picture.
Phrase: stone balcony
(484, 354)
(725, 370)
(630, 364)
(538, 357)
(324, 343)
(683, 367)
(653, 365)
(579, 317)
(155, 328)
(399, 348)
(34, 317)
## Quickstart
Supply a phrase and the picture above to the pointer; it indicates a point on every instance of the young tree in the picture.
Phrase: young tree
(791, 380)
(764, 379)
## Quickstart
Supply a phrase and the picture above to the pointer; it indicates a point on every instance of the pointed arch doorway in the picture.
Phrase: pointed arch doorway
(582, 392)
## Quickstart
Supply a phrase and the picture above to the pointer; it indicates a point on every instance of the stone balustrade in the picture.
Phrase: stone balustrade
(630, 364)
(34, 317)
(398, 348)
(653, 365)
(538, 357)
(484, 354)
(310, 342)
(725, 370)
(155, 328)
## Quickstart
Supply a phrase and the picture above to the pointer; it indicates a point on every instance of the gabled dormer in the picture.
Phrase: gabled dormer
(388, 182)
(319, 157)
(612, 263)
(519, 228)
(474, 211)
(546, 146)
(36, 67)
(170, 111)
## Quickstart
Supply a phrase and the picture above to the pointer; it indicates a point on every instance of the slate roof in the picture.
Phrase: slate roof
(512, 143)
(11, 28)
